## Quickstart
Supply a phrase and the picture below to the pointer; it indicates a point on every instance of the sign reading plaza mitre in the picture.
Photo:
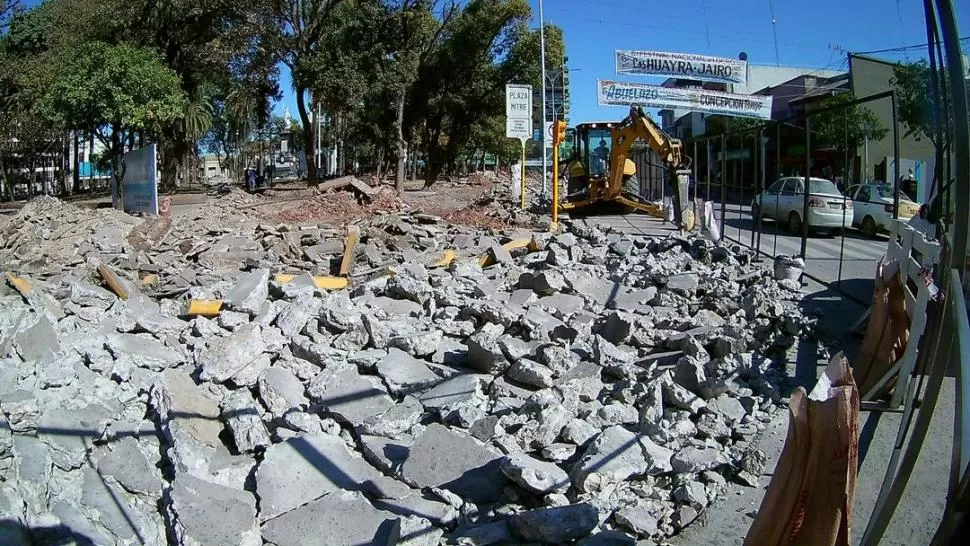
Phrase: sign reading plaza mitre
(613, 93)
(681, 65)
(139, 184)
(518, 111)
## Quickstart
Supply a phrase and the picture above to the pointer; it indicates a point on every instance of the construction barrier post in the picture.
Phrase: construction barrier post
(555, 186)
(523, 173)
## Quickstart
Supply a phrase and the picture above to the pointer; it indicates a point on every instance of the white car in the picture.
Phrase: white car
(873, 202)
(784, 201)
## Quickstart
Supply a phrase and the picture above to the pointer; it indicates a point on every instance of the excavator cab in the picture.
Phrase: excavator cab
(588, 170)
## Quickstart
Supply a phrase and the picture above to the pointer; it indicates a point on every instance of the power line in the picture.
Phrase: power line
(903, 48)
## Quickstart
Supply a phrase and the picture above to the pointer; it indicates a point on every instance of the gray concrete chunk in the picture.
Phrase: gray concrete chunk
(250, 291)
(143, 351)
(301, 469)
(242, 416)
(353, 397)
(530, 372)
(535, 475)
(208, 513)
(225, 357)
(405, 374)
(697, 459)
(460, 391)
(127, 463)
(342, 517)
(615, 455)
(558, 525)
(400, 418)
(280, 390)
(444, 458)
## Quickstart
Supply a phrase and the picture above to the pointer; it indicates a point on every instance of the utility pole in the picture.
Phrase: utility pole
(542, 47)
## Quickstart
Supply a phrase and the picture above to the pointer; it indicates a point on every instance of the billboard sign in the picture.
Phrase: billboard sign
(614, 93)
(681, 65)
(139, 184)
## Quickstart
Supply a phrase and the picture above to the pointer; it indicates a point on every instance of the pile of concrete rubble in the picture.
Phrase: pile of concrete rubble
(586, 386)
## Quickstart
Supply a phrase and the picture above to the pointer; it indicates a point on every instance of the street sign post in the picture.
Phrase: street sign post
(518, 119)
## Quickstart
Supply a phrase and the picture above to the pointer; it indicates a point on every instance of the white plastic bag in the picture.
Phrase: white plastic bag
(711, 229)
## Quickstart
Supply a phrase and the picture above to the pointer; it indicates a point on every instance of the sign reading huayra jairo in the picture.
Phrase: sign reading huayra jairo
(681, 65)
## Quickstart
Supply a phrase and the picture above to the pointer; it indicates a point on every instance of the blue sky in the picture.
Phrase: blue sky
(811, 33)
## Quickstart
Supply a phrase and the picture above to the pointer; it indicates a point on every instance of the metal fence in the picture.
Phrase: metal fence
(746, 173)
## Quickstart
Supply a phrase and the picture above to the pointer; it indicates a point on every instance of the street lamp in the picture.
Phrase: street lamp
(866, 134)
(542, 47)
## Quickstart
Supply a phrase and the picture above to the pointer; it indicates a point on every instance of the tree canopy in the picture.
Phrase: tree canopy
(394, 79)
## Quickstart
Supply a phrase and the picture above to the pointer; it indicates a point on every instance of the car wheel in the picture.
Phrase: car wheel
(794, 223)
(869, 226)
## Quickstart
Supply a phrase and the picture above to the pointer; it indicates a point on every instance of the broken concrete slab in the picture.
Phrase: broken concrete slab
(441, 457)
(143, 351)
(299, 470)
(242, 416)
(208, 513)
(535, 475)
(404, 374)
(697, 459)
(223, 358)
(128, 463)
(342, 517)
(352, 397)
(530, 372)
(250, 292)
(557, 525)
(615, 455)
(189, 420)
(399, 418)
(280, 390)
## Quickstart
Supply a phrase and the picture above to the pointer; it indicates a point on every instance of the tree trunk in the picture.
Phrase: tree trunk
(309, 145)
(66, 176)
(380, 165)
(117, 172)
(76, 165)
(402, 146)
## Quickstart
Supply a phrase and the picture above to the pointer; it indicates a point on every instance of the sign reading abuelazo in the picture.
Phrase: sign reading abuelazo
(681, 65)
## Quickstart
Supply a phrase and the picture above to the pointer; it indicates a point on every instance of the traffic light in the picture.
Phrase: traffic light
(558, 133)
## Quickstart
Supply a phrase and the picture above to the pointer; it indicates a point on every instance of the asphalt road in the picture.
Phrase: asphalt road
(845, 262)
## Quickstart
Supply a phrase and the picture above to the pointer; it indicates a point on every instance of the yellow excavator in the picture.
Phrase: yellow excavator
(605, 173)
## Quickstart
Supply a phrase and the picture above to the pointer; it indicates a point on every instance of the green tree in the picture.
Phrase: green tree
(461, 85)
(916, 102)
(113, 91)
(843, 128)
(302, 26)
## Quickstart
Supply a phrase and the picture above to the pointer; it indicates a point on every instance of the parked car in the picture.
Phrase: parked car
(784, 202)
(873, 204)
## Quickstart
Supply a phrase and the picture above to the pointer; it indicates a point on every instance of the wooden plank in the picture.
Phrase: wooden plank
(113, 281)
(203, 308)
(350, 244)
(335, 184)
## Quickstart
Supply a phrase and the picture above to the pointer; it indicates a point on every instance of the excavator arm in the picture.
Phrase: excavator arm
(639, 126)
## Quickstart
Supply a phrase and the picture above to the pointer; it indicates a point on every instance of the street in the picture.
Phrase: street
(852, 274)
